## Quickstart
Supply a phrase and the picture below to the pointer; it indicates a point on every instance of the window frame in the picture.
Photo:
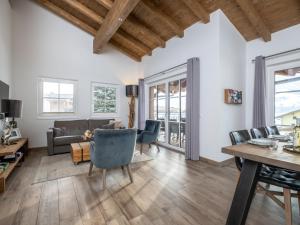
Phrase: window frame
(104, 114)
(273, 65)
(54, 115)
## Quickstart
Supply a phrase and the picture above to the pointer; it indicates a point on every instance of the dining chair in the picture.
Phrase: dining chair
(272, 130)
(258, 132)
(239, 137)
(270, 175)
(149, 135)
(112, 149)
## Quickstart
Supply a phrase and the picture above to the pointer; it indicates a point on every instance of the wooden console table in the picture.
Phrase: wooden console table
(20, 146)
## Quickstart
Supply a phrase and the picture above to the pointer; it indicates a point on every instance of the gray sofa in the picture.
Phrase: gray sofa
(64, 133)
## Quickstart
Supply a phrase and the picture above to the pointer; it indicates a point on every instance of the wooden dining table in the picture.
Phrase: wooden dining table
(254, 156)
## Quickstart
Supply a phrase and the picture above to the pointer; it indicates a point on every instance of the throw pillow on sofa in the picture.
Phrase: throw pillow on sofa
(58, 132)
(108, 126)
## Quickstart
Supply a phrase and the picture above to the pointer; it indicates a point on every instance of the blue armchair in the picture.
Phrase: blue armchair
(111, 149)
(149, 135)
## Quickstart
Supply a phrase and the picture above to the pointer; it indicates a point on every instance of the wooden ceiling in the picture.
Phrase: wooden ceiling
(136, 27)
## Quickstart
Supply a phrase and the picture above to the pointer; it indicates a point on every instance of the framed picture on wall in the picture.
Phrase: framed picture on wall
(232, 96)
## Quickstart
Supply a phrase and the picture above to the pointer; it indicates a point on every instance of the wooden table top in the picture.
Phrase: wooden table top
(13, 148)
(279, 157)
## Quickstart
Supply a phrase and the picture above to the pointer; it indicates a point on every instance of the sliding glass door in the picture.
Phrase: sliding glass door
(167, 102)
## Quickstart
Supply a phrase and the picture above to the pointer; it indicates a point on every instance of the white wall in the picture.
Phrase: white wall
(283, 40)
(5, 41)
(232, 75)
(46, 45)
(211, 43)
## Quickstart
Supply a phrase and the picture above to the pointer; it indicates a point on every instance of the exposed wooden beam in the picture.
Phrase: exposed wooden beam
(125, 50)
(138, 45)
(149, 33)
(85, 10)
(99, 19)
(197, 9)
(163, 17)
(113, 20)
(67, 16)
(255, 19)
(78, 23)
(105, 3)
(135, 23)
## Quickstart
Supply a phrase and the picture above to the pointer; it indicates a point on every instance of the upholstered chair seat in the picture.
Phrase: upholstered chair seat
(273, 130)
(111, 149)
(149, 135)
(259, 132)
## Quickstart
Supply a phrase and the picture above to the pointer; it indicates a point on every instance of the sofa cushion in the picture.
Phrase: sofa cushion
(65, 140)
(58, 132)
(72, 127)
(108, 126)
(94, 124)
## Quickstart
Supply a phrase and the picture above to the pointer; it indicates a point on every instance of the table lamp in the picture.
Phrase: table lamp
(132, 93)
(12, 109)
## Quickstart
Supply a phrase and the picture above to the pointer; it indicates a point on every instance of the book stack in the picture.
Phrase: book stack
(3, 166)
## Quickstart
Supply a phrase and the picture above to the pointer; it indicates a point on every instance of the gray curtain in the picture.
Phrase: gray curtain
(192, 109)
(141, 104)
(259, 102)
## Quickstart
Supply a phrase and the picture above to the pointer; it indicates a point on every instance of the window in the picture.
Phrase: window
(287, 96)
(56, 97)
(104, 99)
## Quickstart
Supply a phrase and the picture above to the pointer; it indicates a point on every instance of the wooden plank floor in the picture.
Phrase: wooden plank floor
(167, 190)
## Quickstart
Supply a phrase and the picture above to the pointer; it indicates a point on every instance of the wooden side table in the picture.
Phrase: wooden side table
(20, 146)
(80, 152)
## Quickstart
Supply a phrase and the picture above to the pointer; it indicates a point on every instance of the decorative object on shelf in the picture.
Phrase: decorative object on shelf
(3, 166)
(132, 93)
(6, 133)
(12, 109)
(15, 135)
(296, 135)
(232, 96)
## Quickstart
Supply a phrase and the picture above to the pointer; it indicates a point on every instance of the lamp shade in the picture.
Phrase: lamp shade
(11, 108)
(132, 90)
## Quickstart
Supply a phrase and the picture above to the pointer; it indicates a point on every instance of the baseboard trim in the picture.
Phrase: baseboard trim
(38, 148)
(216, 163)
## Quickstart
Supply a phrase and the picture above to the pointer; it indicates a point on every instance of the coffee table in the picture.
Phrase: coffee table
(80, 152)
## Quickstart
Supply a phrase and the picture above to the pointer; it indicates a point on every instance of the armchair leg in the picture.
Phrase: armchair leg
(129, 173)
(158, 149)
(298, 193)
(104, 179)
(91, 168)
(141, 149)
(287, 206)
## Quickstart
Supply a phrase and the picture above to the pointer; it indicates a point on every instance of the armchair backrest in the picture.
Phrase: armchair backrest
(258, 132)
(113, 148)
(273, 130)
(239, 137)
(153, 126)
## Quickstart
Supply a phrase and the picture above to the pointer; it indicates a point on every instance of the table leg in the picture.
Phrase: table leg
(244, 193)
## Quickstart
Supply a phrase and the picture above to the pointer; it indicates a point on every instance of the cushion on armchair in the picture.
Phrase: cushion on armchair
(65, 140)
(58, 132)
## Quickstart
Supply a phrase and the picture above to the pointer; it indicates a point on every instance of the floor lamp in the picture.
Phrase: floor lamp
(132, 93)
